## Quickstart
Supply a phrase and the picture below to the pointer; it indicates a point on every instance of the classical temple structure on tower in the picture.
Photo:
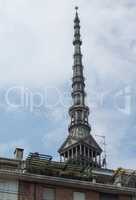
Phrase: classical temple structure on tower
(81, 174)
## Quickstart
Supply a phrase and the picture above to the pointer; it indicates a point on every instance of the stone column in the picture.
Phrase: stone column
(68, 154)
(84, 150)
(80, 149)
(72, 153)
(76, 151)
(88, 153)
(96, 157)
(92, 154)
(100, 160)
(64, 157)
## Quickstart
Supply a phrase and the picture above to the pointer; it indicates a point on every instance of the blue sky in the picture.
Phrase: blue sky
(36, 61)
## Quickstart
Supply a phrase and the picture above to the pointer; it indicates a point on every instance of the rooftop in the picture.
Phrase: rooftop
(40, 165)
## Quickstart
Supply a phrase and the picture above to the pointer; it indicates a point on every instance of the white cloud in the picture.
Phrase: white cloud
(36, 40)
(36, 49)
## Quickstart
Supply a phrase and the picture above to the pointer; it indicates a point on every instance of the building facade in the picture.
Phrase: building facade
(81, 173)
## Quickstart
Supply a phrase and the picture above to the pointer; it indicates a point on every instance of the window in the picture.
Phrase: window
(78, 196)
(48, 194)
(8, 190)
(108, 197)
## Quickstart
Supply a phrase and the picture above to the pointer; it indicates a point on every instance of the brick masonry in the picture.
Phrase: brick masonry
(92, 195)
(122, 197)
(63, 193)
(33, 191)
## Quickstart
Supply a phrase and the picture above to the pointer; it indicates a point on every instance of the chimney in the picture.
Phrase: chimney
(18, 154)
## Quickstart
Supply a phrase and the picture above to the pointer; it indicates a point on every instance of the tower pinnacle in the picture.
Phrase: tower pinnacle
(79, 126)
(76, 8)
(80, 147)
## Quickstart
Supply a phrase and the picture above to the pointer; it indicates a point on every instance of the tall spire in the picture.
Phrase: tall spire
(79, 147)
(79, 126)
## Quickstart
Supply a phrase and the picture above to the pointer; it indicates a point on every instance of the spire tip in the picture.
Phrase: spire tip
(76, 8)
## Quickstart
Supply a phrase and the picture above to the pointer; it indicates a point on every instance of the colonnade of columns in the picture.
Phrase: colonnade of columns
(81, 152)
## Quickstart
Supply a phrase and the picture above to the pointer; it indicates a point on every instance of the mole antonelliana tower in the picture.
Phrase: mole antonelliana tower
(80, 147)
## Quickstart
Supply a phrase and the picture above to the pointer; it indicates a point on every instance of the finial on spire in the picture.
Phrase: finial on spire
(76, 8)
(76, 17)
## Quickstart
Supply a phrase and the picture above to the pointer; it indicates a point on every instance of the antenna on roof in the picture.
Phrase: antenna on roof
(104, 160)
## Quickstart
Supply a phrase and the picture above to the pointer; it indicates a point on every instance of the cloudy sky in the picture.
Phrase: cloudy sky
(36, 69)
